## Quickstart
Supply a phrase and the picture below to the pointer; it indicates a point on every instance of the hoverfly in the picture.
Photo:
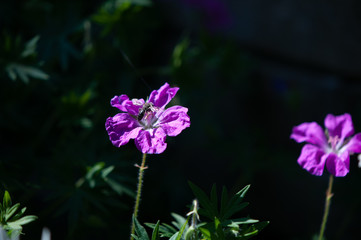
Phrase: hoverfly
(148, 106)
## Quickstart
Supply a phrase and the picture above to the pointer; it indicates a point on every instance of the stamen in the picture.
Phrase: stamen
(147, 115)
(333, 140)
(137, 102)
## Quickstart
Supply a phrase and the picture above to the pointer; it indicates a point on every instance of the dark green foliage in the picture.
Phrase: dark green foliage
(99, 176)
(164, 230)
(220, 225)
(18, 58)
(11, 218)
(155, 234)
(56, 155)
(316, 237)
(167, 230)
(97, 188)
(140, 232)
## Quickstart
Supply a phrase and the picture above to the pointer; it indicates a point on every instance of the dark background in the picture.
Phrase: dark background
(247, 70)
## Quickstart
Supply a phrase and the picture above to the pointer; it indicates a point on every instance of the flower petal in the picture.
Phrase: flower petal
(123, 103)
(340, 126)
(312, 159)
(121, 128)
(118, 101)
(338, 166)
(309, 132)
(160, 98)
(151, 141)
(354, 145)
(174, 120)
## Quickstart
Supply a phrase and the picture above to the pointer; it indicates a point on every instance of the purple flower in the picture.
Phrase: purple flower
(331, 148)
(148, 122)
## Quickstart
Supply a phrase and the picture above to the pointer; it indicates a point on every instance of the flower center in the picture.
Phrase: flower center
(147, 115)
(333, 141)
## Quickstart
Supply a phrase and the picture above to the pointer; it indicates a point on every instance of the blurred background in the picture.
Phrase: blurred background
(247, 70)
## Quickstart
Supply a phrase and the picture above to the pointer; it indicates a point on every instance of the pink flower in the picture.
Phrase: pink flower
(332, 148)
(147, 122)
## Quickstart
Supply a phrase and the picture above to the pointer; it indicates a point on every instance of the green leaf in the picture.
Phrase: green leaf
(35, 73)
(174, 236)
(15, 70)
(85, 97)
(250, 234)
(240, 195)
(239, 221)
(233, 209)
(178, 52)
(224, 201)
(9, 212)
(155, 234)
(107, 171)
(203, 201)
(234, 205)
(135, 237)
(165, 229)
(140, 230)
(180, 233)
(94, 169)
(190, 233)
(169, 228)
(19, 214)
(11, 73)
(205, 232)
(316, 237)
(25, 220)
(210, 206)
(219, 229)
(118, 188)
(30, 47)
(14, 226)
(6, 200)
(179, 220)
(214, 199)
(261, 225)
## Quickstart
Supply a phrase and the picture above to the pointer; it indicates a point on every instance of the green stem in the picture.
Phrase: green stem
(329, 195)
(139, 191)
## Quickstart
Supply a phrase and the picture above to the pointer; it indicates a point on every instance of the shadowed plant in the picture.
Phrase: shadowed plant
(218, 224)
(11, 218)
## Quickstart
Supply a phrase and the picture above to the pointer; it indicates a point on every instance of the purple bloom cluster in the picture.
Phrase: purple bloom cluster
(331, 148)
(147, 122)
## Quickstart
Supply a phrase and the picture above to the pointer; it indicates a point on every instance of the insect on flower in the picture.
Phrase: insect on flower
(147, 108)
(147, 122)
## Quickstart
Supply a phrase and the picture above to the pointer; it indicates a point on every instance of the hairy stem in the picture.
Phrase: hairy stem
(329, 195)
(139, 192)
